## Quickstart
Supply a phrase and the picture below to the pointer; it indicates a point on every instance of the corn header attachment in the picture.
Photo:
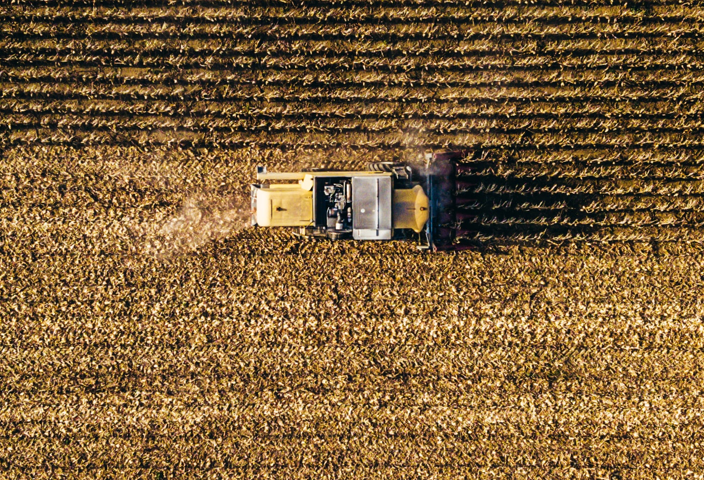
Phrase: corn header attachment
(388, 200)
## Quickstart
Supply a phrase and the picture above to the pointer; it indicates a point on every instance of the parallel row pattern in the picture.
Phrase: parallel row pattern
(144, 333)
(597, 106)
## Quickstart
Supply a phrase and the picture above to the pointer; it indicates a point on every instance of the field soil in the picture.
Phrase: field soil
(146, 331)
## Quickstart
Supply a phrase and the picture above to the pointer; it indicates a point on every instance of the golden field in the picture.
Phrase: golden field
(146, 332)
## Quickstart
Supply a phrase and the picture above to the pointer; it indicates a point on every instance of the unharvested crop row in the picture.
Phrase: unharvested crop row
(430, 63)
(645, 6)
(688, 96)
(531, 30)
(357, 158)
(588, 158)
(408, 49)
(672, 142)
(605, 235)
(667, 115)
(565, 126)
(658, 78)
(530, 125)
(519, 203)
(253, 14)
(357, 16)
(588, 187)
(521, 169)
(595, 221)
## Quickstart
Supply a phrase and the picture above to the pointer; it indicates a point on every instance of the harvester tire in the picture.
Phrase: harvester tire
(339, 235)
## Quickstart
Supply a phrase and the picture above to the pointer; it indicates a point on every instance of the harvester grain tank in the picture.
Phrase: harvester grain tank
(386, 201)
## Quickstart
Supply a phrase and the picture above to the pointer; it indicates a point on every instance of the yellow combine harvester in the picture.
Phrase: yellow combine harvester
(380, 203)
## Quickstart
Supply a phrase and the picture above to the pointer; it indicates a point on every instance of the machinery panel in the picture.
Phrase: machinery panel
(372, 207)
(282, 207)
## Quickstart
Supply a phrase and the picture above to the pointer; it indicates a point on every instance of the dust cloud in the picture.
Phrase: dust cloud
(204, 217)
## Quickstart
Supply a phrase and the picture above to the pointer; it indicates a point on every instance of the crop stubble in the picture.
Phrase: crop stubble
(146, 334)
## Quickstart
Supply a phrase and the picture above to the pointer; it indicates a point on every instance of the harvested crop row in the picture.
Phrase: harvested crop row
(381, 450)
(466, 364)
(276, 415)
(55, 234)
(136, 235)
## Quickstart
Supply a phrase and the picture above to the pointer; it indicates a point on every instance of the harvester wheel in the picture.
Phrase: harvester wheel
(339, 235)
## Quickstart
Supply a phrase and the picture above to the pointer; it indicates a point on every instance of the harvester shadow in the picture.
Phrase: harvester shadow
(498, 204)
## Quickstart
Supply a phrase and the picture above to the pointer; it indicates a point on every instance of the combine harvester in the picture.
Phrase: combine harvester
(387, 201)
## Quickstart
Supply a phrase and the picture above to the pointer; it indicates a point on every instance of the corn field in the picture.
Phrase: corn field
(147, 332)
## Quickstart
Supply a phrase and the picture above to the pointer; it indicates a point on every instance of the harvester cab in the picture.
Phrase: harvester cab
(380, 203)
